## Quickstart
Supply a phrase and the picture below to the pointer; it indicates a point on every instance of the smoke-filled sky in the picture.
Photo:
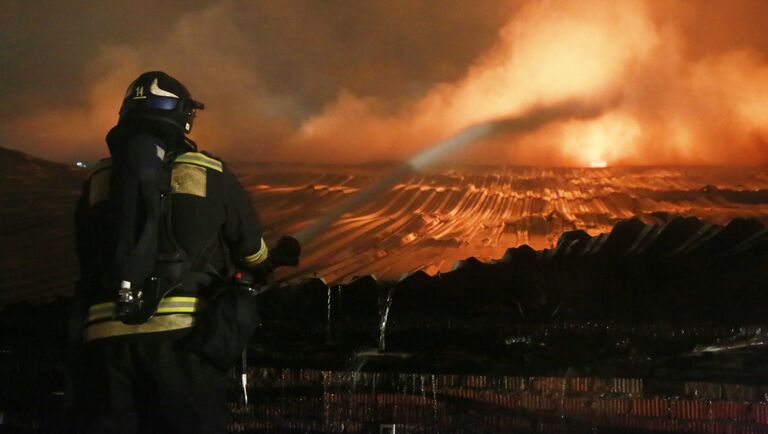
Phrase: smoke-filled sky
(350, 81)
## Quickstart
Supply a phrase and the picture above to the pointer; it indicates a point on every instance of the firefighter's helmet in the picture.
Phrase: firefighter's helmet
(157, 96)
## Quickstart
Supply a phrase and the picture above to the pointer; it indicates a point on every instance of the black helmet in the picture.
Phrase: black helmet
(157, 96)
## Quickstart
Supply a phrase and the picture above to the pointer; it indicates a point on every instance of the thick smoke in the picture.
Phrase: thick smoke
(366, 81)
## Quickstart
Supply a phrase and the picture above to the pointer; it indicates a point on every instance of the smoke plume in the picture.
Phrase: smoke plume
(349, 82)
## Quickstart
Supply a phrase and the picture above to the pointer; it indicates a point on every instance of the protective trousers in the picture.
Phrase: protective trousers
(145, 383)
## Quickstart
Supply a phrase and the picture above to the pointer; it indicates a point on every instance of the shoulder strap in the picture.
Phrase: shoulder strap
(148, 259)
(138, 183)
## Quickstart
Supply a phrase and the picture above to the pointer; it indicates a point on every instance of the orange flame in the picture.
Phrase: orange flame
(682, 101)
(673, 110)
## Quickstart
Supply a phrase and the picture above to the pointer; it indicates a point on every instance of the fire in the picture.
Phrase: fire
(672, 108)
(684, 96)
(610, 138)
(548, 53)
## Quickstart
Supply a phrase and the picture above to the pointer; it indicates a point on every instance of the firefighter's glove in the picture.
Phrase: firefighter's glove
(285, 253)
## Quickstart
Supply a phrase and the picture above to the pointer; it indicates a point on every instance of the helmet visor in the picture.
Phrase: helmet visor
(162, 102)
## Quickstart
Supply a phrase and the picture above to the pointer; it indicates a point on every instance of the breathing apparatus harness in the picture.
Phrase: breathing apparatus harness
(156, 114)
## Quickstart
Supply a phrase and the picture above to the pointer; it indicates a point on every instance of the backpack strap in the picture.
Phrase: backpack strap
(149, 262)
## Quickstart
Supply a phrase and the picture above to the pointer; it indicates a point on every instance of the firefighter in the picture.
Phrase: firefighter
(151, 262)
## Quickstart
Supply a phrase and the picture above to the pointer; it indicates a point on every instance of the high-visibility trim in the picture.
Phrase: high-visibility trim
(101, 311)
(156, 324)
(200, 160)
(180, 305)
(258, 257)
(166, 305)
(179, 299)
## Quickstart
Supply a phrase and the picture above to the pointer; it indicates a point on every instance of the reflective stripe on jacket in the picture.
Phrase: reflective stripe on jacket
(173, 313)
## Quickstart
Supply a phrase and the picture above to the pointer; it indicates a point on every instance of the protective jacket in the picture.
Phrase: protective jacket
(212, 220)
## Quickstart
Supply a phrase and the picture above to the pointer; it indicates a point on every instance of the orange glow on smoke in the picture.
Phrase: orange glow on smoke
(671, 109)
(679, 102)
(597, 143)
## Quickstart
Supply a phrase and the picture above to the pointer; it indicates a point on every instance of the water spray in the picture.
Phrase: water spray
(529, 121)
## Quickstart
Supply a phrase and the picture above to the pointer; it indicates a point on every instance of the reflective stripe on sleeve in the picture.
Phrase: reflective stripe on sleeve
(258, 257)
(156, 324)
